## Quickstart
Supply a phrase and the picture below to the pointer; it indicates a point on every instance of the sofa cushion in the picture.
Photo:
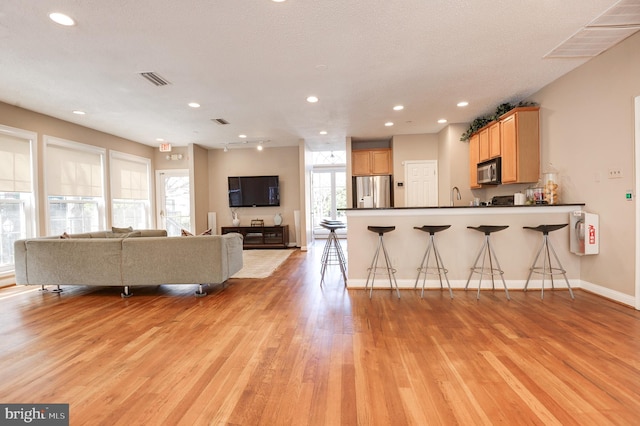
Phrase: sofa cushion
(116, 230)
(86, 261)
(186, 233)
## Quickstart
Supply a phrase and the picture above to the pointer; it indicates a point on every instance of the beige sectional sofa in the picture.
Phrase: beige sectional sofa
(140, 258)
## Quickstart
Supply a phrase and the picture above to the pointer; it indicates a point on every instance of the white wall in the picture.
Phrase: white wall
(283, 162)
(587, 127)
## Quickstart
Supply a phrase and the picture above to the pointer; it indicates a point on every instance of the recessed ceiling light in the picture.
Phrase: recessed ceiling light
(388, 123)
(242, 136)
(78, 112)
(278, 1)
(398, 108)
(62, 19)
(194, 105)
(323, 132)
(442, 120)
(159, 140)
(463, 104)
(312, 99)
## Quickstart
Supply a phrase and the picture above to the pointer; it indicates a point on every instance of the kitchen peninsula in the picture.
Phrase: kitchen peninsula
(515, 247)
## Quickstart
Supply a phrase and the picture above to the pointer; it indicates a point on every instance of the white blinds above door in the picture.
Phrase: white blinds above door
(15, 164)
(129, 178)
(73, 172)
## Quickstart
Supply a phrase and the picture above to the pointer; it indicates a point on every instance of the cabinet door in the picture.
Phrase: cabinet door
(509, 150)
(360, 163)
(474, 158)
(484, 144)
(494, 140)
(381, 162)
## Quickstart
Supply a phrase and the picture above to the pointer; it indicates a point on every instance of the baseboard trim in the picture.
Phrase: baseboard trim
(601, 291)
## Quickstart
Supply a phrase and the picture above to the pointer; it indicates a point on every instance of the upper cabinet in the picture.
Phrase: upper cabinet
(474, 159)
(367, 162)
(515, 137)
(489, 141)
(520, 135)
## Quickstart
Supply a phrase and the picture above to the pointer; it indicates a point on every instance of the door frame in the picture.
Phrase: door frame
(160, 194)
(637, 204)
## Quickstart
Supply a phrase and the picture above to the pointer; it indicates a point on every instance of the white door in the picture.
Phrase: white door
(174, 201)
(421, 183)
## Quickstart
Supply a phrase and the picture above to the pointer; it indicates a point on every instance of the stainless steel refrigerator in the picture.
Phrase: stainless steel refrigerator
(372, 191)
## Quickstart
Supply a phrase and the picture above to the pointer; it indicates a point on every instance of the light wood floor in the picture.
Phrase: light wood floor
(284, 351)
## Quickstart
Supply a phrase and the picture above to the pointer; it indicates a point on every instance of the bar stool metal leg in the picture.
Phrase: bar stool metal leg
(388, 269)
(547, 268)
(487, 251)
(332, 253)
(438, 270)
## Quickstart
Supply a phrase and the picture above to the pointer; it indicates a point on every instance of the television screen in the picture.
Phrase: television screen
(254, 191)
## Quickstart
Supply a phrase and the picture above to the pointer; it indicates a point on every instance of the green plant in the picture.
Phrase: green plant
(480, 122)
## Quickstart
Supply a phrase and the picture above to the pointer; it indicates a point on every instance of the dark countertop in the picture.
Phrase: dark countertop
(527, 206)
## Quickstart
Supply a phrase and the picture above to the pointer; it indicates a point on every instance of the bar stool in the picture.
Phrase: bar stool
(547, 267)
(484, 251)
(386, 269)
(333, 254)
(424, 268)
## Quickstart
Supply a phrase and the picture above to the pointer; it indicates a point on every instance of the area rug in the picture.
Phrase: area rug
(261, 263)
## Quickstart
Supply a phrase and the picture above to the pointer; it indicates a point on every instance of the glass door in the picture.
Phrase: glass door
(328, 194)
(174, 201)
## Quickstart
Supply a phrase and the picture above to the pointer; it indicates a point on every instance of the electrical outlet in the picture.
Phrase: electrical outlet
(615, 173)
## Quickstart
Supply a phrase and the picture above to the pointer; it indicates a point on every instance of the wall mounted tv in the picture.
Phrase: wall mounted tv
(254, 191)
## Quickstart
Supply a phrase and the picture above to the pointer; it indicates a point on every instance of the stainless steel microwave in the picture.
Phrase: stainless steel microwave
(490, 172)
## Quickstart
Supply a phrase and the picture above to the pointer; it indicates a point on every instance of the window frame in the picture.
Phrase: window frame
(80, 147)
(147, 203)
(28, 200)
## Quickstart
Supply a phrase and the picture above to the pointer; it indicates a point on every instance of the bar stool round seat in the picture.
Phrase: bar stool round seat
(424, 267)
(381, 229)
(333, 254)
(486, 251)
(548, 268)
(386, 268)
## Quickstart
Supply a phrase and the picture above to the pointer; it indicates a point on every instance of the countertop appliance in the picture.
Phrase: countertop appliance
(490, 172)
(502, 200)
(372, 191)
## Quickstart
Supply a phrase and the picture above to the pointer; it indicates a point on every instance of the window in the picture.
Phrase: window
(17, 212)
(74, 182)
(328, 188)
(130, 203)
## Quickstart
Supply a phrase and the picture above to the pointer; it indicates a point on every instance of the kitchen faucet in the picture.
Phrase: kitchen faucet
(454, 189)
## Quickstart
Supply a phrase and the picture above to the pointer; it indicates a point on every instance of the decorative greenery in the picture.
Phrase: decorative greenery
(480, 122)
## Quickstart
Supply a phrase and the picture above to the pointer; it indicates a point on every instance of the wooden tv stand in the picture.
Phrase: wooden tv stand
(261, 236)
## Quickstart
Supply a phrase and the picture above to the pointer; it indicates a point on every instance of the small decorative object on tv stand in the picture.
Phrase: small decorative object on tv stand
(277, 219)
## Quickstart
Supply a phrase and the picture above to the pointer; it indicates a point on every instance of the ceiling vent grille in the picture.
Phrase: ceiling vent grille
(220, 121)
(614, 25)
(154, 78)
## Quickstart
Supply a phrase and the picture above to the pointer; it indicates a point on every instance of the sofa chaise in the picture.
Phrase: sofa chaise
(139, 258)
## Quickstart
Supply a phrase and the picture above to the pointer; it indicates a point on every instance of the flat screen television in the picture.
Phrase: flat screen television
(254, 191)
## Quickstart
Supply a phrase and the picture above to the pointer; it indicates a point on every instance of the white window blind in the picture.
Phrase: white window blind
(15, 164)
(73, 172)
(129, 178)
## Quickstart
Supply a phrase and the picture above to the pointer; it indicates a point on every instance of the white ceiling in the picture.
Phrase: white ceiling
(254, 62)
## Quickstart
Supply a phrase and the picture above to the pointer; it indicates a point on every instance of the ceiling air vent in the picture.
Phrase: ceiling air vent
(220, 121)
(154, 78)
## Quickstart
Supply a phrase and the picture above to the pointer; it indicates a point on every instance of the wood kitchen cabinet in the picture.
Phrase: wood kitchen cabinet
(483, 144)
(474, 159)
(367, 162)
(495, 140)
(520, 135)
(489, 141)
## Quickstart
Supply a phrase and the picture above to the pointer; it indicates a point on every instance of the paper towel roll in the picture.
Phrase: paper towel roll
(519, 199)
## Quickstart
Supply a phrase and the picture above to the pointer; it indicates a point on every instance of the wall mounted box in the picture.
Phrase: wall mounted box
(584, 233)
